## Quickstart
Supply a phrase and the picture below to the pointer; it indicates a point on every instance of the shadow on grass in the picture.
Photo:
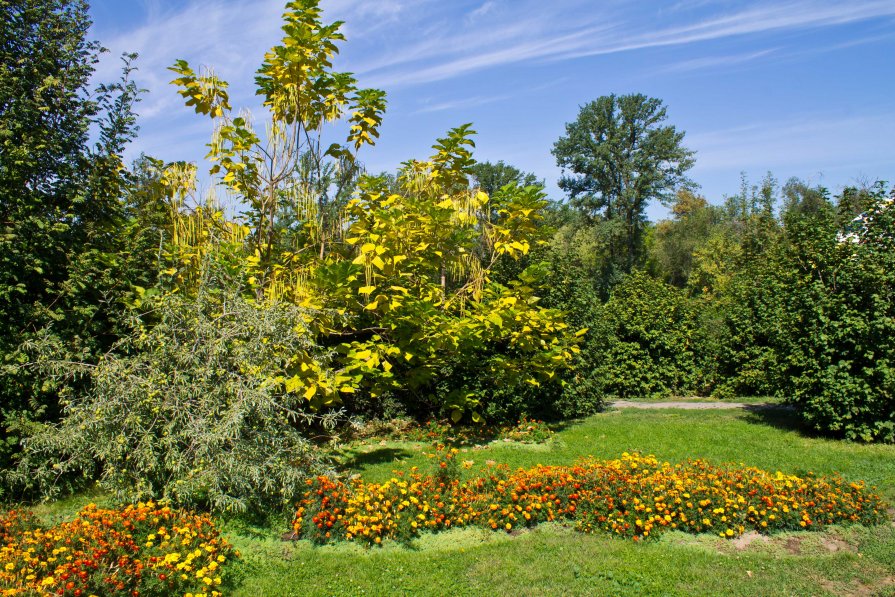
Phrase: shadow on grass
(779, 416)
(360, 461)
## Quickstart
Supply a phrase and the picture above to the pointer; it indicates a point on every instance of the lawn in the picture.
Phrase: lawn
(553, 559)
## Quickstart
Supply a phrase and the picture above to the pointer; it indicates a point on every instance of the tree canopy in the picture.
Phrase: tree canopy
(616, 157)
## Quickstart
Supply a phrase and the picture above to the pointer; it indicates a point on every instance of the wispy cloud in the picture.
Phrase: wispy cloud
(460, 104)
(481, 11)
(548, 36)
(814, 140)
(715, 62)
(412, 42)
(404, 46)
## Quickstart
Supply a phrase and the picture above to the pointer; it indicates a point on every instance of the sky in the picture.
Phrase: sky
(798, 88)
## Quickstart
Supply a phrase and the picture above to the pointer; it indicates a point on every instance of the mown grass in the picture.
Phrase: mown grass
(767, 438)
(553, 560)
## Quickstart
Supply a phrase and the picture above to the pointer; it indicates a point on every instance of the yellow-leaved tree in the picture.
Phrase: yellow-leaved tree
(399, 279)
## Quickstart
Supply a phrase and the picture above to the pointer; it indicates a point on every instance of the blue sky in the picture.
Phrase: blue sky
(800, 88)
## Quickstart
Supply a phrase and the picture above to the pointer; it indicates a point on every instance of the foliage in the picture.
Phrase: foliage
(408, 263)
(289, 173)
(809, 320)
(635, 496)
(839, 323)
(144, 549)
(646, 341)
(491, 177)
(425, 289)
(685, 248)
(620, 157)
(197, 408)
(63, 265)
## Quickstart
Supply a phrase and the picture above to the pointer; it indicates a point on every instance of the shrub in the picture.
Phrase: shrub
(195, 409)
(144, 549)
(645, 342)
(814, 322)
(841, 324)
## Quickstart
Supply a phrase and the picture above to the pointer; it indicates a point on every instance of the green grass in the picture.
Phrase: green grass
(554, 560)
(766, 438)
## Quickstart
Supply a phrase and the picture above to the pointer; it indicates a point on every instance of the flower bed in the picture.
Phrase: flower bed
(138, 550)
(635, 496)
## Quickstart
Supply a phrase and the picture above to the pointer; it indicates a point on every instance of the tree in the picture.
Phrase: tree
(676, 240)
(491, 177)
(60, 199)
(402, 273)
(290, 171)
(616, 157)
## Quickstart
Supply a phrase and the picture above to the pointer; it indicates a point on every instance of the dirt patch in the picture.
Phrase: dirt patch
(793, 545)
(859, 589)
(834, 544)
(746, 539)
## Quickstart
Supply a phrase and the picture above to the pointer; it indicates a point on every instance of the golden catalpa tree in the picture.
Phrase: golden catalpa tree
(397, 276)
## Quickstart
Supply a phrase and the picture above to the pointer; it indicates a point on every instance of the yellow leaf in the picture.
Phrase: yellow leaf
(368, 248)
(446, 204)
(293, 383)
(366, 289)
(581, 332)
(310, 392)
(346, 390)
(378, 262)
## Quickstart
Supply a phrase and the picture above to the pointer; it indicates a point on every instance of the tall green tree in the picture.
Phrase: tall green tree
(60, 197)
(490, 177)
(616, 157)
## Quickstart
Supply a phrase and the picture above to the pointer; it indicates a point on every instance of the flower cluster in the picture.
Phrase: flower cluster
(142, 549)
(634, 496)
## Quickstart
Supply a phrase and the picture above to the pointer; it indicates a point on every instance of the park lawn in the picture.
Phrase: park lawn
(553, 559)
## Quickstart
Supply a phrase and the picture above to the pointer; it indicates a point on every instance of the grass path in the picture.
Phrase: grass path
(689, 405)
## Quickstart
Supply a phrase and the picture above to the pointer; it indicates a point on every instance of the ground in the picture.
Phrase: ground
(553, 559)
